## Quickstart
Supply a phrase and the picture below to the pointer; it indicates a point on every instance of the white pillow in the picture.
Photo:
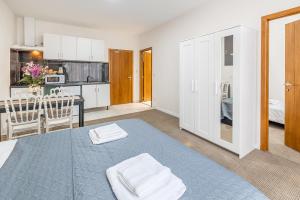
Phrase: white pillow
(5, 150)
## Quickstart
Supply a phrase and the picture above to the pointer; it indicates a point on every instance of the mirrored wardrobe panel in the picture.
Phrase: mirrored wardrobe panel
(227, 89)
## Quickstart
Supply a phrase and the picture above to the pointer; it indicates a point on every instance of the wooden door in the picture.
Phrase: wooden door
(292, 86)
(121, 76)
(146, 76)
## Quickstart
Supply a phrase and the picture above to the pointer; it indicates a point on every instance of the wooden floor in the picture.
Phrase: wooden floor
(277, 145)
(276, 177)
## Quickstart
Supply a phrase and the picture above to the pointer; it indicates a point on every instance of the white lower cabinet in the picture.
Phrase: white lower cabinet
(103, 95)
(96, 96)
(16, 92)
(89, 93)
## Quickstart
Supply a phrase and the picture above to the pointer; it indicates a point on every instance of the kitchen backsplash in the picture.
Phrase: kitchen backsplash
(74, 71)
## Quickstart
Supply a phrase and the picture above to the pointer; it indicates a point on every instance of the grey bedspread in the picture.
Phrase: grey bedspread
(65, 165)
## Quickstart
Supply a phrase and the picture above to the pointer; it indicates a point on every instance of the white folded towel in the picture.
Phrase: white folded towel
(143, 175)
(172, 190)
(107, 133)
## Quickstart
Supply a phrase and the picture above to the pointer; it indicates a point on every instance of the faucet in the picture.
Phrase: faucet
(89, 78)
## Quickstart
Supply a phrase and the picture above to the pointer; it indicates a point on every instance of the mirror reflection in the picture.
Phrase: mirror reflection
(227, 89)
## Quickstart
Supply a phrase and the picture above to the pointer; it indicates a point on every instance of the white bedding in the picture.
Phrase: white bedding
(5, 150)
(276, 111)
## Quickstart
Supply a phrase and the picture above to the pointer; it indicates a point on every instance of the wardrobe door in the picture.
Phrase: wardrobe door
(203, 72)
(187, 85)
(227, 89)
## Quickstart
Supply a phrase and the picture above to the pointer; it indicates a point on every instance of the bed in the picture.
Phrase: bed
(226, 111)
(276, 111)
(65, 165)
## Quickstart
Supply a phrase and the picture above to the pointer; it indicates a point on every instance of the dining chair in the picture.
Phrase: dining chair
(57, 91)
(24, 115)
(58, 109)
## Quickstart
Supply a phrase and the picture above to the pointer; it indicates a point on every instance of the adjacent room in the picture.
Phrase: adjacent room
(280, 88)
(149, 100)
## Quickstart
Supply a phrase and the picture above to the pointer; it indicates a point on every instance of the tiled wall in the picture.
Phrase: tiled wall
(79, 71)
(74, 71)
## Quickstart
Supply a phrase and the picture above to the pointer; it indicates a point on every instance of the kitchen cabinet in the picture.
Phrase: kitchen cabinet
(96, 96)
(58, 47)
(103, 95)
(89, 93)
(23, 91)
(84, 47)
(68, 48)
(52, 47)
(97, 51)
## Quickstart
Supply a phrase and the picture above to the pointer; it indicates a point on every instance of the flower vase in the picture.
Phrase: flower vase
(34, 89)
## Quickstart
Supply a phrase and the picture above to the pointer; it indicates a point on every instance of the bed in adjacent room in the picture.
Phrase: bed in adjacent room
(276, 111)
(66, 165)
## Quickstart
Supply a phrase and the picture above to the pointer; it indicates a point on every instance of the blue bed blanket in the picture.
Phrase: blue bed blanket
(66, 165)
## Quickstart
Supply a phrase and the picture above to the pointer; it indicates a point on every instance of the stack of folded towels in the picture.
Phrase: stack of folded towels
(107, 133)
(143, 177)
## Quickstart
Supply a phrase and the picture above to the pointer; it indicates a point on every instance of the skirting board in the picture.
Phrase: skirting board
(166, 111)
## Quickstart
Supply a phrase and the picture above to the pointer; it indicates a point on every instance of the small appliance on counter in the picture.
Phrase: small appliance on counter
(55, 79)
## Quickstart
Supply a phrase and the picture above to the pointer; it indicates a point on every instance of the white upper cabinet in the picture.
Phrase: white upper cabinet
(52, 47)
(98, 52)
(68, 47)
(84, 46)
(58, 47)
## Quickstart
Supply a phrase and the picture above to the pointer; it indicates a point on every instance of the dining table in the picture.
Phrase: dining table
(78, 100)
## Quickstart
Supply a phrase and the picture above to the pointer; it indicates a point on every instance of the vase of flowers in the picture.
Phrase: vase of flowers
(34, 76)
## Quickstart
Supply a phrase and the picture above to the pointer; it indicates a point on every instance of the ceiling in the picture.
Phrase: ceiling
(135, 16)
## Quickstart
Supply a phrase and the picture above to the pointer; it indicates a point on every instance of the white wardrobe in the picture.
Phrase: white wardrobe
(218, 88)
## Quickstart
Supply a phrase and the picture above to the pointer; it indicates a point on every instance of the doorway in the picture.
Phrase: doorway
(146, 76)
(121, 76)
(283, 133)
(279, 99)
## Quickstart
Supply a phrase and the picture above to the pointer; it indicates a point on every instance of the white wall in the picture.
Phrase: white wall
(213, 16)
(117, 40)
(277, 57)
(7, 39)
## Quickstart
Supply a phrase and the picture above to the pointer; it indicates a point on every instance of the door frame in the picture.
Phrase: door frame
(132, 71)
(141, 70)
(265, 55)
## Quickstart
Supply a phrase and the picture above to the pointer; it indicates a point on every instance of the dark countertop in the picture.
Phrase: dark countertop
(63, 84)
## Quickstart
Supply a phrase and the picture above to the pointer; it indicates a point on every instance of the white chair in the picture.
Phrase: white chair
(24, 114)
(58, 109)
(57, 91)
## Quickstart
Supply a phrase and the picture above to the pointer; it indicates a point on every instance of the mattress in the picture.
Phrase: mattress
(66, 165)
(276, 112)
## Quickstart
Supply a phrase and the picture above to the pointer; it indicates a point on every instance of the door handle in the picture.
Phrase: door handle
(216, 88)
(196, 85)
(287, 84)
(193, 86)
(129, 77)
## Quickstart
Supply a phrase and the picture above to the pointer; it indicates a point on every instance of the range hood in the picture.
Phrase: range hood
(29, 36)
